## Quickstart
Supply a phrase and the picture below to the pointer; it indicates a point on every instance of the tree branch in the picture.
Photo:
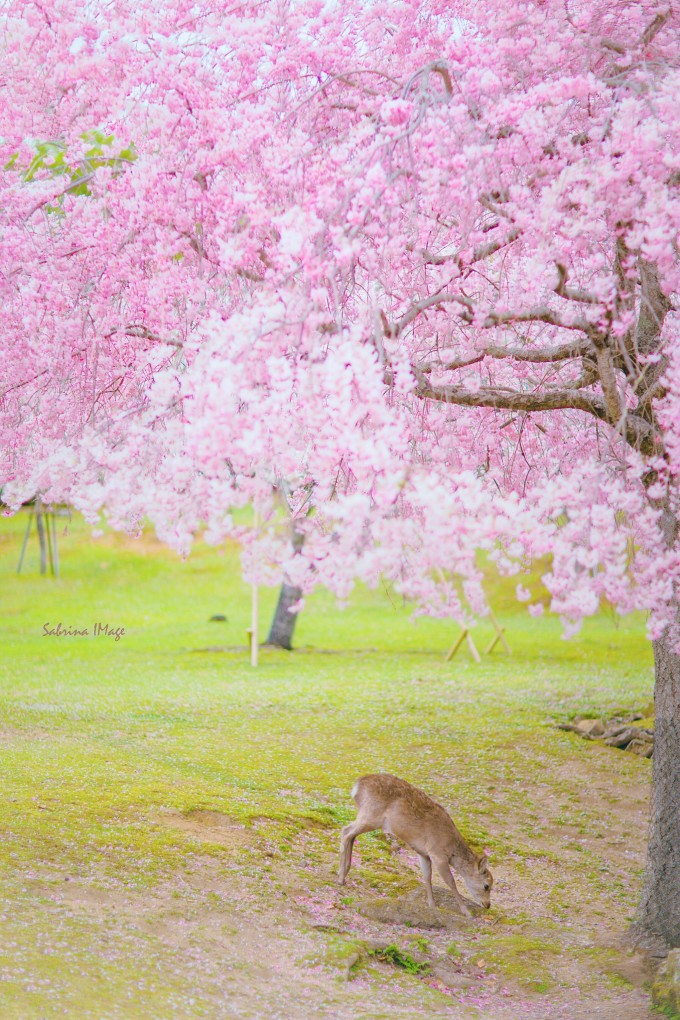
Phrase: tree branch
(637, 432)
(655, 26)
(145, 334)
(610, 389)
(513, 400)
(654, 306)
(542, 355)
(479, 254)
(85, 179)
(543, 314)
(569, 292)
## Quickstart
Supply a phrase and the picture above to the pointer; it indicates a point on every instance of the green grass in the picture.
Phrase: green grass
(398, 958)
(102, 740)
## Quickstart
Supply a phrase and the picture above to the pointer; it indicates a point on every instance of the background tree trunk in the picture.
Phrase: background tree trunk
(656, 926)
(283, 624)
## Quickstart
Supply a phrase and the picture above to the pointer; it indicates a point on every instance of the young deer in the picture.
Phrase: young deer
(393, 805)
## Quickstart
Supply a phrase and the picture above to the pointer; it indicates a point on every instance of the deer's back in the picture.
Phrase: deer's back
(404, 810)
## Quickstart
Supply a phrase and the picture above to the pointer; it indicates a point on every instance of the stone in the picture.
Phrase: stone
(375, 945)
(621, 737)
(666, 985)
(615, 728)
(350, 962)
(590, 728)
(645, 748)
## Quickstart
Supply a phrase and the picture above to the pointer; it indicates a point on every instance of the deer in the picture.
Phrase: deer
(399, 809)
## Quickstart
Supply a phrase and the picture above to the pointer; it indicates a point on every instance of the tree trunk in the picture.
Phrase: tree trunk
(656, 926)
(283, 624)
(657, 923)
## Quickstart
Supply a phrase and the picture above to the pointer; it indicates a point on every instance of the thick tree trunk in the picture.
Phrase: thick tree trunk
(283, 624)
(657, 923)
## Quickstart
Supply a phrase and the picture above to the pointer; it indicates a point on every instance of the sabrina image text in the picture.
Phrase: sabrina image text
(98, 630)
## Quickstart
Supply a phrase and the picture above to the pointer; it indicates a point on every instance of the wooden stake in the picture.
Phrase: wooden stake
(48, 532)
(463, 636)
(23, 547)
(254, 615)
(500, 635)
(253, 628)
(55, 550)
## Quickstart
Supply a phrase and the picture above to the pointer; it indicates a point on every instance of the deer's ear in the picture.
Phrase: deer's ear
(483, 863)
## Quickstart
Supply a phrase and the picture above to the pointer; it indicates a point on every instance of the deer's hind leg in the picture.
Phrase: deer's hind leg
(347, 837)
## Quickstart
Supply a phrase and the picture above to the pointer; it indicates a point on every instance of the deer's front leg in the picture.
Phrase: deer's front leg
(443, 869)
(426, 866)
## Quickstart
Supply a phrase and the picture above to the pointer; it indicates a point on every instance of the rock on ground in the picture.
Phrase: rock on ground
(666, 987)
(413, 910)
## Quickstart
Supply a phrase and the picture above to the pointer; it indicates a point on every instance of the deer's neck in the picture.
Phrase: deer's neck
(461, 852)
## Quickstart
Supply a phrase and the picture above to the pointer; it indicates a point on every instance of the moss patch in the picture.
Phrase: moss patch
(400, 958)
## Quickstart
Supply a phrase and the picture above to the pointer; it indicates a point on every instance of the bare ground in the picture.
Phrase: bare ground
(253, 929)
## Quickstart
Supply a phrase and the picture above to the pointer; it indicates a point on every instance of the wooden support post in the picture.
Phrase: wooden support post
(25, 542)
(40, 525)
(55, 551)
(463, 636)
(48, 535)
(500, 635)
(254, 639)
(253, 626)
(46, 526)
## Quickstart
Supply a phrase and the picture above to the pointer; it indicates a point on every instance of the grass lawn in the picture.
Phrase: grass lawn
(170, 816)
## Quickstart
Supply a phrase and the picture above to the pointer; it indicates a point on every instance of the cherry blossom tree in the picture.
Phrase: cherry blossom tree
(412, 264)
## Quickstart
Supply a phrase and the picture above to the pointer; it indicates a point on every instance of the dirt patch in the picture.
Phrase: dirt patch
(413, 911)
(208, 826)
